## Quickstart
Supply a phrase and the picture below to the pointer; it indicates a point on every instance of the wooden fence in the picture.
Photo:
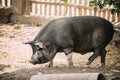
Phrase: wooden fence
(72, 8)
(5, 3)
(57, 8)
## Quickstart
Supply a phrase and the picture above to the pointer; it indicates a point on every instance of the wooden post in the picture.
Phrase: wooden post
(108, 15)
(85, 4)
(113, 17)
(28, 6)
(60, 12)
(3, 3)
(50, 9)
(8, 3)
(33, 8)
(80, 9)
(18, 7)
(90, 12)
(75, 8)
(103, 14)
(45, 8)
(65, 10)
(38, 9)
(118, 16)
(56, 11)
(41, 9)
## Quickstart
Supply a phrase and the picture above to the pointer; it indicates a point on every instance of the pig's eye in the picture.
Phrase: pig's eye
(47, 46)
(38, 48)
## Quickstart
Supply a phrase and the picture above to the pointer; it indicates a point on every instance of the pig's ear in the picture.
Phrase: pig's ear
(29, 42)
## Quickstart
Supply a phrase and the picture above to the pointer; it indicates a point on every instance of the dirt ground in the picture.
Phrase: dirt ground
(15, 56)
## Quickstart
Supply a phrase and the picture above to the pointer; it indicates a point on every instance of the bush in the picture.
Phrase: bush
(99, 4)
(103, 3)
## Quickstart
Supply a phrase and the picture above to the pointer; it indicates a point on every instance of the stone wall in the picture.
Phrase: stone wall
(5, 15)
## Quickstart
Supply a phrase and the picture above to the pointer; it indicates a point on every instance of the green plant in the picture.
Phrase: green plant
(99, 4)
(65, 1)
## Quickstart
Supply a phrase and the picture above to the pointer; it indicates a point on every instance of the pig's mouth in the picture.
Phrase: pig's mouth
(39, 61)
(34, 63)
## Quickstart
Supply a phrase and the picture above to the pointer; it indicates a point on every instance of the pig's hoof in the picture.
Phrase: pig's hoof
(71, 66)
(102, 65)
(88, 62)
(50, 66)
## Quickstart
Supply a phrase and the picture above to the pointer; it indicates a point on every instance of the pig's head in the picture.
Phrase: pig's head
(42, 53)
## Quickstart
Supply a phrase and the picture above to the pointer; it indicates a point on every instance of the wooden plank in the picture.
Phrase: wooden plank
(90, 11)
(108, 15)
(70, 10)
(56, 11)
(8, 3)
(33, 8)
(85, 10)
(0, 3)
(29, 8)
(79, 11)
(118, 16)
(104, 14)
(38, 9)
(99, 13)
(45, 8)
(3, 3)
(65, 10)
(59, 10)
(49, 11)
(75, 8)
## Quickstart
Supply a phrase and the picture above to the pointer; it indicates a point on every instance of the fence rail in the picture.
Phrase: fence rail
(5, 3)
(72, 8)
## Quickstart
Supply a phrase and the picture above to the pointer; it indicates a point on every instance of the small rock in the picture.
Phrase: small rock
(39, 73)
(114, 70)
(117, 78)
(17, 27)
(11, 37)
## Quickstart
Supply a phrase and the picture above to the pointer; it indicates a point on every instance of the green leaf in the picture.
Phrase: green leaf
(65, 1)
(106, 2)
(102, 3)
(113, 11)
(95, 9)
(92, 3)
(100, 6)
(117, 5)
